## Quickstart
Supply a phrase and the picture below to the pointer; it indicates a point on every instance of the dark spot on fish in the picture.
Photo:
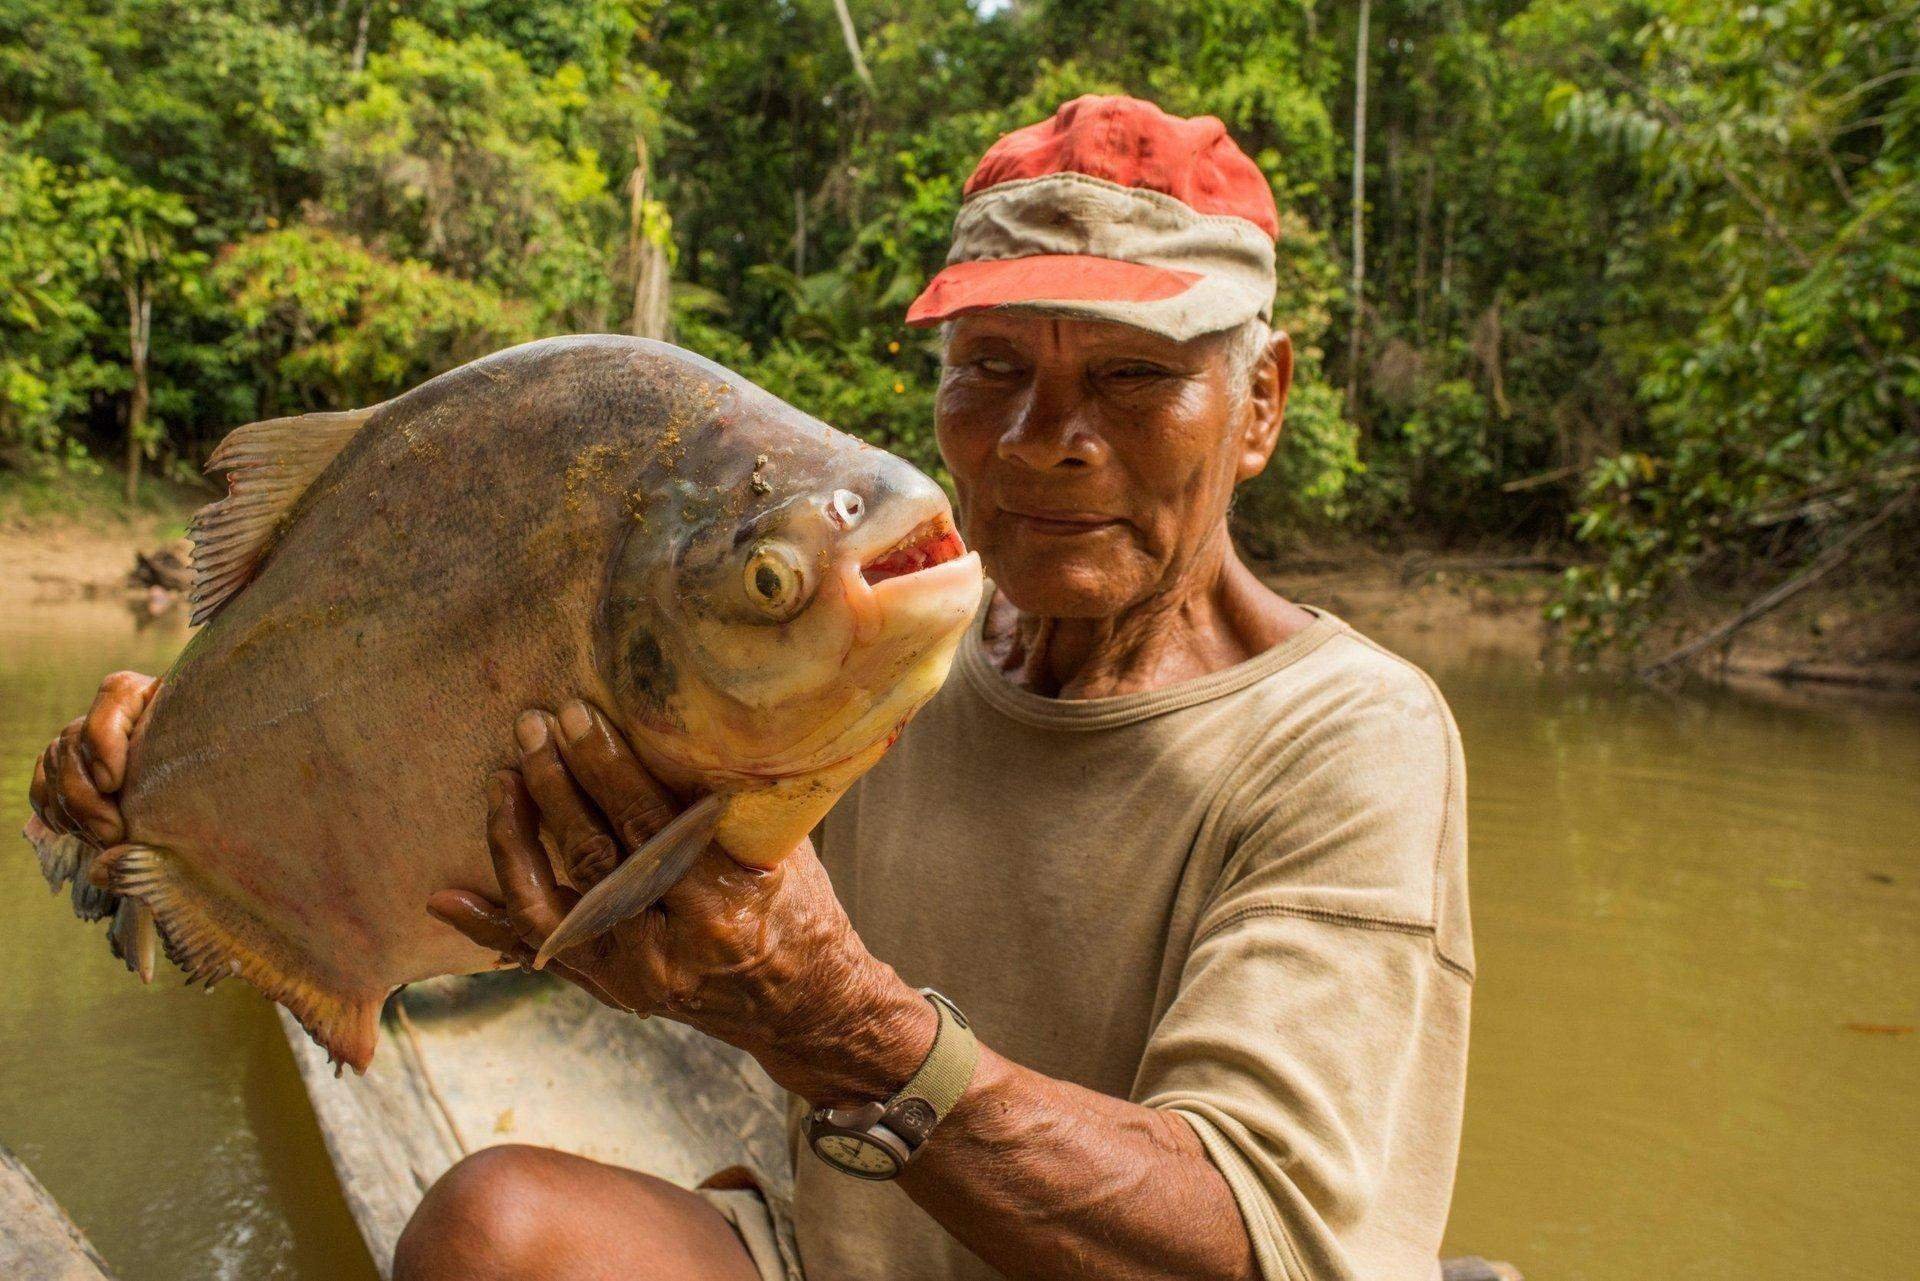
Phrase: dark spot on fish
(649, 675)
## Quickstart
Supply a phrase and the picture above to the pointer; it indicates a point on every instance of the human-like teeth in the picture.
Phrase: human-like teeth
(933, 543)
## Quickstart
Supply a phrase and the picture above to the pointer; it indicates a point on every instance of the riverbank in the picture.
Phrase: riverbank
(1849, 637)
(76, 538)
(73, 537)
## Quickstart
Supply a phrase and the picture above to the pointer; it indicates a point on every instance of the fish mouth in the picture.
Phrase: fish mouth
(933, 542)
(925, 581)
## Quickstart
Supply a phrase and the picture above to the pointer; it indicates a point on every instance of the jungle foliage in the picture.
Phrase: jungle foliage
(1638, 275)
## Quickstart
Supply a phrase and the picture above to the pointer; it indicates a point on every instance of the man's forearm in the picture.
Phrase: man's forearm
(1042, 1178)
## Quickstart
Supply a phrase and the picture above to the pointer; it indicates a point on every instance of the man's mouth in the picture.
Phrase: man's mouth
(934, 542)
(1061, 522)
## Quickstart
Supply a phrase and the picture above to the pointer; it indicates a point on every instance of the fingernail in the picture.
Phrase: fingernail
(574, 721)
(531, 730)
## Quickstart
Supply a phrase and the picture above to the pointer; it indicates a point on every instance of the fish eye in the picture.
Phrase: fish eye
(775, 582)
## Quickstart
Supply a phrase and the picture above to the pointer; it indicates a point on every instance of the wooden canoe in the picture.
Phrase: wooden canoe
(512, 1057)
(468, 1063)
(38, 1242)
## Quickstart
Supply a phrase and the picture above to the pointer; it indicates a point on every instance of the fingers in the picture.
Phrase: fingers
(491, 926)
(116, 709)
(534, 902)
(587, 851)
(89, 813)
(635, 804)
(480, 919)
(40, 791)
(46, 777)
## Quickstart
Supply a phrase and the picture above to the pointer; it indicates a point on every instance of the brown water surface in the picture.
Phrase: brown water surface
(1698, 924)
(168, 1120)
(1698, 931)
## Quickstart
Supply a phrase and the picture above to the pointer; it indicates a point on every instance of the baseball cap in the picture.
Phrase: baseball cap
(1113, 210)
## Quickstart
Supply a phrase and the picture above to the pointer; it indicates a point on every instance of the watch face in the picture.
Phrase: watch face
(857, 1155)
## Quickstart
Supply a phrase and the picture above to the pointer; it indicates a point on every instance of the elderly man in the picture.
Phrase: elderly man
(1190, 857)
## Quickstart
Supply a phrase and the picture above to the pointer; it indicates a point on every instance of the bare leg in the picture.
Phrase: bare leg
(521, 1213)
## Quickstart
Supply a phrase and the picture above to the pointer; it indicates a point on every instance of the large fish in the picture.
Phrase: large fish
(758, 601)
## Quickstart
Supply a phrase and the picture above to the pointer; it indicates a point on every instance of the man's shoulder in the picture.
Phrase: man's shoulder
(1352, 694)
(1351, 808)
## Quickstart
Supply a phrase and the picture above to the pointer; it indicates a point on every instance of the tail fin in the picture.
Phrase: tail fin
(66, 858)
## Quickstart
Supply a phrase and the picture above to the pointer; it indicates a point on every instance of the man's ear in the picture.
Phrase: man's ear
(1266, 406)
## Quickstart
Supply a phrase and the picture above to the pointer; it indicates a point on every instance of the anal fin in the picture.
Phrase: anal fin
(211, 940)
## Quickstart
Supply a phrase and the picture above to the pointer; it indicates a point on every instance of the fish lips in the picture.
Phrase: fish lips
(936, 591)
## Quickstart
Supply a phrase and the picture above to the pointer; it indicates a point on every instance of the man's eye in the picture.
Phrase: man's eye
(1136, 373)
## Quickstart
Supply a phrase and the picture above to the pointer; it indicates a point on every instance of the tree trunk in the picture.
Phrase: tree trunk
(139, 328)
(652, 310)
(852, 38)
(1422, 233)
(799, 232)
(1359, 287)
(359, 59)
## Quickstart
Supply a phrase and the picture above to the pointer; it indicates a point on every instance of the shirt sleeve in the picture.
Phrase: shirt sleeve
(1317, 1038)
(1322, 1066)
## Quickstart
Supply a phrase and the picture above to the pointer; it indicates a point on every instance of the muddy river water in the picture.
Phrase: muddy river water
(1698, 927)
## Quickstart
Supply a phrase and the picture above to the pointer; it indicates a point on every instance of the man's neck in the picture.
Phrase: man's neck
(1209, 617)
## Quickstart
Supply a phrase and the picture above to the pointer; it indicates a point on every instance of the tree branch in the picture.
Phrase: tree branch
(1828, 561)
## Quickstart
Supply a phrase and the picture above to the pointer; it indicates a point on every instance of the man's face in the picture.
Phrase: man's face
(1093, 461)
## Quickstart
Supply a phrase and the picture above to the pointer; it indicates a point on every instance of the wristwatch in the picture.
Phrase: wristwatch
(876, 1140)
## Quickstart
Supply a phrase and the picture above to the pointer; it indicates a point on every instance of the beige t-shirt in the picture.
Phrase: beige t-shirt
(1243, 898)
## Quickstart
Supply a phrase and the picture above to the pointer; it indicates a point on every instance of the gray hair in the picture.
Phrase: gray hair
(1246, 344)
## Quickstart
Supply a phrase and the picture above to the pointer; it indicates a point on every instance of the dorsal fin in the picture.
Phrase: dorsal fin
(268, 465)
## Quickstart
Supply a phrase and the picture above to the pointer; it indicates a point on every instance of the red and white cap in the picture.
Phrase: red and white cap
(1113, 210)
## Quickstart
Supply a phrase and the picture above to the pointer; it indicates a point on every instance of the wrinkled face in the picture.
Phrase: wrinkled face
(800, 598)
(1095, 461)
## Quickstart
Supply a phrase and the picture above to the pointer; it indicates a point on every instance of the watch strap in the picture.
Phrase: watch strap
(943, 1076)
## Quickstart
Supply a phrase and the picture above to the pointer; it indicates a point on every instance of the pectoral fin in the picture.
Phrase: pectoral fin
(633, 887)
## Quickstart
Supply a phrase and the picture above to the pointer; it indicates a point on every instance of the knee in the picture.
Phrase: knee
(489, 1218)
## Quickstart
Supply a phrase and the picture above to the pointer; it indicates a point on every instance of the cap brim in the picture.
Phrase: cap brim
(1066, 281)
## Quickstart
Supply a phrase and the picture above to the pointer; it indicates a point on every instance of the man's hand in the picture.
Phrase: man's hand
(75, 779)
(765, 960)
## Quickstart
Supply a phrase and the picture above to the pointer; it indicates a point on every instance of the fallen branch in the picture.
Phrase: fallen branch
(1415, 566)
(1828, 561)
(1535, 482)
(1801, 671)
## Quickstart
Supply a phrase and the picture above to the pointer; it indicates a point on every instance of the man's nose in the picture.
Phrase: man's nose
(1050, 432)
